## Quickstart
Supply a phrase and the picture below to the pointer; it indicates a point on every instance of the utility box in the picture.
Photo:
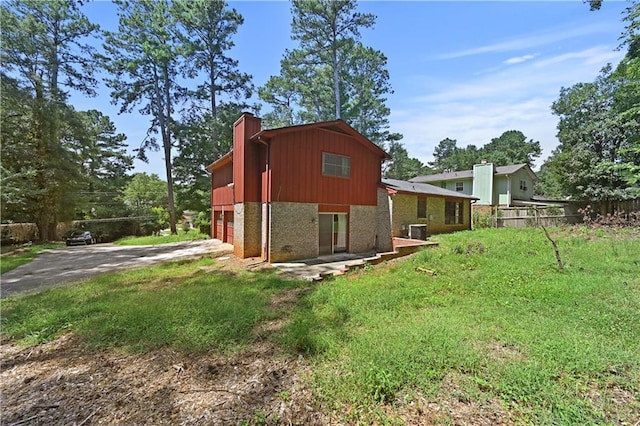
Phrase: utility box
(418, 231)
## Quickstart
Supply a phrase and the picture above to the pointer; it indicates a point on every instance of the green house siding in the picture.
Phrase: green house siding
(483, 183)
(517, 193)
(452, 185)
(508, 187)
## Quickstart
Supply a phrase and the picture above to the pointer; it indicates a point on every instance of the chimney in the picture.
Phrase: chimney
(246, 158)
(245, 127)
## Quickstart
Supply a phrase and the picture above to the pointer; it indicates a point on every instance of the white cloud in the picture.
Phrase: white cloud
(597, 55)
(519, 59)
(482, 107)
(530, 41)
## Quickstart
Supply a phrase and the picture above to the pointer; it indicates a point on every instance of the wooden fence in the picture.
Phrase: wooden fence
(523, 217)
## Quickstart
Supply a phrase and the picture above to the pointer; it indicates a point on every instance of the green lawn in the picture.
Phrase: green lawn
(498, 322)
(191, 235)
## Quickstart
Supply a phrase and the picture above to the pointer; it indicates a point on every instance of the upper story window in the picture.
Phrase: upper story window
(335, 165)
(422, 207)
(459, 186)
(523, 185)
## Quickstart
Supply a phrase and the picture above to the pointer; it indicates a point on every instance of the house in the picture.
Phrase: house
(420, 209)
(309, 190)
(299, 192)
(493, 186)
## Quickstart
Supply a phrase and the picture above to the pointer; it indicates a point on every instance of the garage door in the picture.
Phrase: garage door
(219, 226)
(228, 216)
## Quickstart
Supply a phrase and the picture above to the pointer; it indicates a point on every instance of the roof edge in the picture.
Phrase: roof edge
(220, 162)
(350, 131)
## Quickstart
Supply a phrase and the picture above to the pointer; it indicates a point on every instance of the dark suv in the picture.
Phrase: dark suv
(80, 237)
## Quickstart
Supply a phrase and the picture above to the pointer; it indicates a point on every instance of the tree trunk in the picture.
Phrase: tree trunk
(336, 83)
(214, 112)
(166, 142)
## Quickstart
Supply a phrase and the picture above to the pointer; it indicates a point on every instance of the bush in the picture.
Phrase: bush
(203, 222)
(618, 219)
(18, 233)
(482, 220)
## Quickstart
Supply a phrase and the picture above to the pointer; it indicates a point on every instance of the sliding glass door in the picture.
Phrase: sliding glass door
(333, 233)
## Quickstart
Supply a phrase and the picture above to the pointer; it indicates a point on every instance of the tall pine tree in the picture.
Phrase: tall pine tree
(145, 59)
(330, 55)
(44, 54)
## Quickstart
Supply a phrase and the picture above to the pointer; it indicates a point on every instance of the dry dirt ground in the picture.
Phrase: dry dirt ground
(61, 383)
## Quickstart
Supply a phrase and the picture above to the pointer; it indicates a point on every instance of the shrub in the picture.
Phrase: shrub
(18, 233)
(203, 222)
(482, 220)
(617, 219)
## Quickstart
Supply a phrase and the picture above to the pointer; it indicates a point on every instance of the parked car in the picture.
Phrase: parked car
(80, 237)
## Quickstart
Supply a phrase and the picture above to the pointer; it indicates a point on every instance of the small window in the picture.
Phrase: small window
(523, 185)
(459, 186)
(336, 165)
(422, 207)
(453, 213)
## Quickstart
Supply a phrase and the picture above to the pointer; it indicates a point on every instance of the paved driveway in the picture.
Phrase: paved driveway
(58, 266)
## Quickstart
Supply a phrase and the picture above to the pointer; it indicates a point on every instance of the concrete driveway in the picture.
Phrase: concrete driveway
(53, 267)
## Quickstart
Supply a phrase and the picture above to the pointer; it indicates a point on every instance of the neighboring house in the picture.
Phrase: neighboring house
(299, 192)
(420, 209)
(493, 186)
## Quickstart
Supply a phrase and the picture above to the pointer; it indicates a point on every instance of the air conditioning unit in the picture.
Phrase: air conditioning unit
(418, 231)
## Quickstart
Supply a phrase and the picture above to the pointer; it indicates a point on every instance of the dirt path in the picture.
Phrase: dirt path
(54, 267)
(58, 383)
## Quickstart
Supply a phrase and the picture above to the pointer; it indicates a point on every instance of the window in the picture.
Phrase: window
(422, 207)
(453, 212)
(459, 186)
(336, 165)
(523, 185)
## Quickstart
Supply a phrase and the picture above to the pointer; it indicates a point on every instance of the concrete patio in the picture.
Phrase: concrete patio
(338, 264)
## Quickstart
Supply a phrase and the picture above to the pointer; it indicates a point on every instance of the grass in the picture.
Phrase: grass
(191, 235)
(497, 323)
(186, 305)
(498, 319)
(25, 254)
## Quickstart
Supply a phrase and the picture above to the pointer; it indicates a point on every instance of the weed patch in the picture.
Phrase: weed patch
(499, 315)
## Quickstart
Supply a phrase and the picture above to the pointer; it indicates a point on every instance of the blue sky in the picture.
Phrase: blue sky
(464, 70)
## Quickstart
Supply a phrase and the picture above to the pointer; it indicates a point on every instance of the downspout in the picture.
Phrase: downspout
(268, 200)
(508, 190)
(471, 203)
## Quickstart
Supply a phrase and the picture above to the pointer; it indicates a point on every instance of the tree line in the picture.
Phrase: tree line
(170, 60)
(598, 157)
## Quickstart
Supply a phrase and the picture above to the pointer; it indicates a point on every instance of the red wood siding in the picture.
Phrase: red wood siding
(331, 208)
(246, 159)
(222, 196)
(296, 165)
(222, 176)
